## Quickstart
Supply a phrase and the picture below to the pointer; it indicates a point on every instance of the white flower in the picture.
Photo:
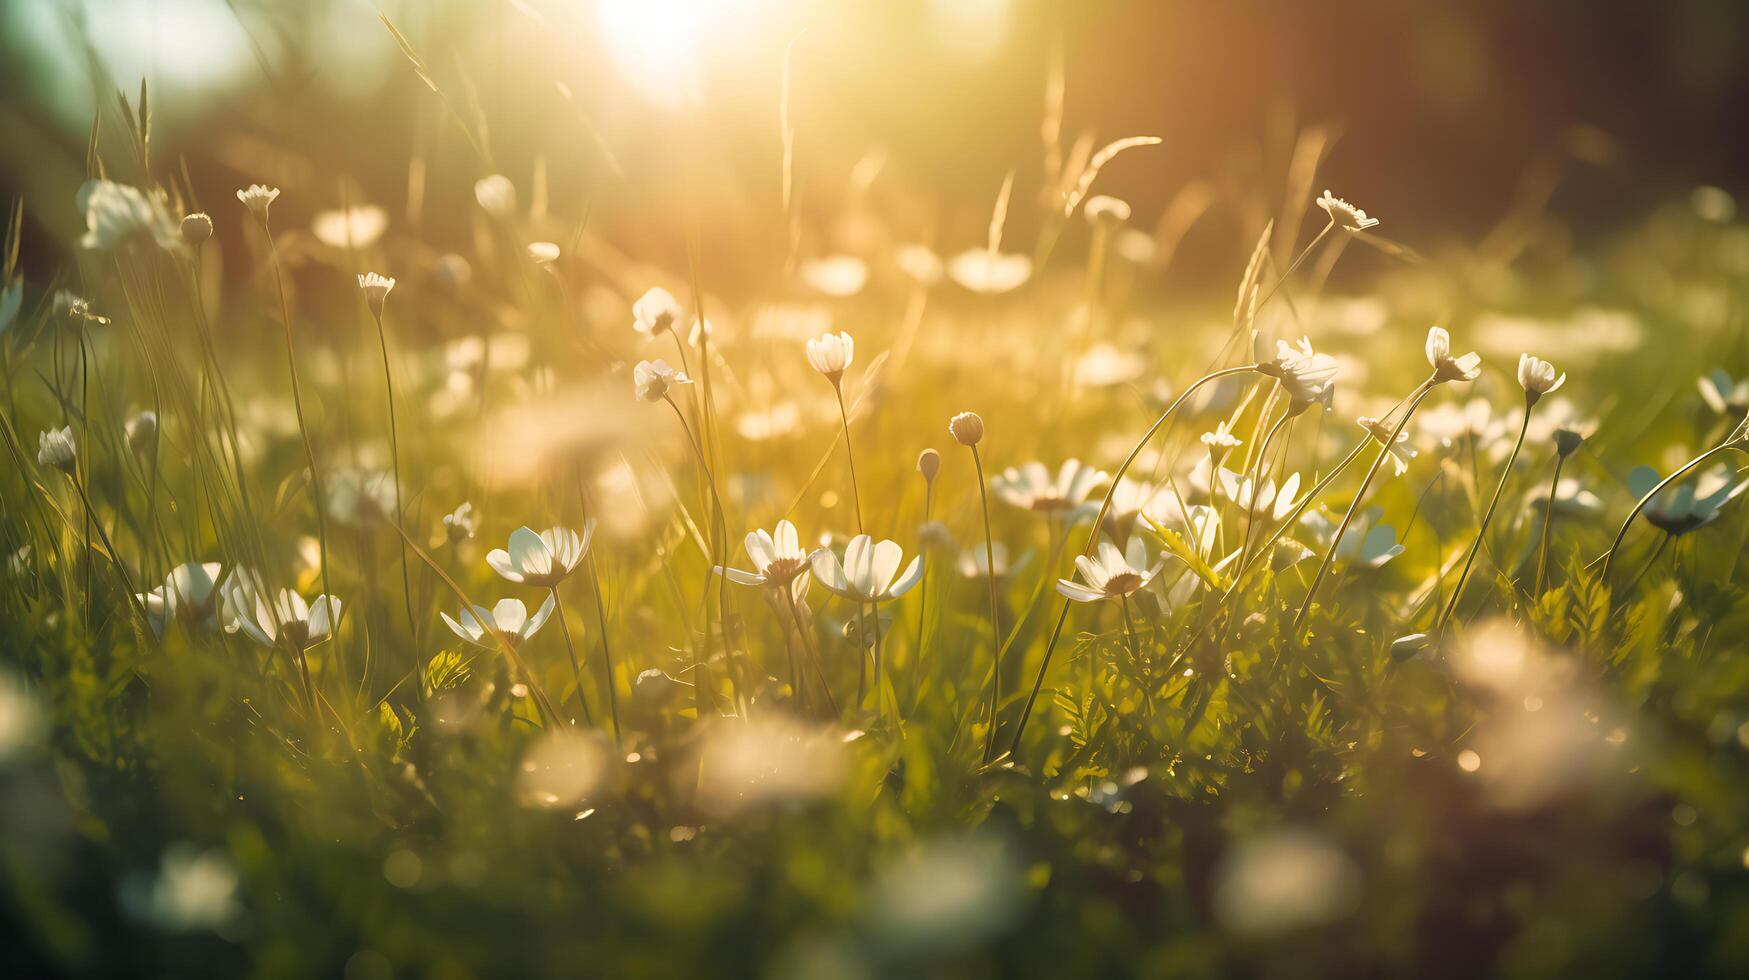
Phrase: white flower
(543, 559)
(289, 621)
(354, 227)
(56, 448)
(1537, 377)
(1690, 504)
(1366, 541)
(655, 312)
(1309, 378)
(1345, 214)
(974, 563)
(1111, 574)
(831, 353)
(1221, 437)
(920, 263)
(778, 558)
(835, 275)
(1132, 498)
(1031, 487)
(1102, 209)
(376, 289)
(543, 253)
(991, 273)
(115, 213)
(866, 574)
(189, 593)
(458, 525)
(142, 432)
(652, 379)
(1445, 366)
(508, 621)
(1261, 499)
(496, 195)
(1401, 451)
(257, 197)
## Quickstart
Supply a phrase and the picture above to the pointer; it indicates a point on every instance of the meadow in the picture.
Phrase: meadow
(924, 605)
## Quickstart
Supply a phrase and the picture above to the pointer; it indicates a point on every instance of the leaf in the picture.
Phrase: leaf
(1181, 549)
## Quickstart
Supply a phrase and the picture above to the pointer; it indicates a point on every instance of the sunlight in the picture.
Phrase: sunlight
(657, 44)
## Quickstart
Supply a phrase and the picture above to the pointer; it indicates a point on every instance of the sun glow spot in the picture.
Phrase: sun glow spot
(657, 44)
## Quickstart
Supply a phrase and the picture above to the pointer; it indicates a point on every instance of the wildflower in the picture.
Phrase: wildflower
(115, 213)
(920, 263)
(496, 195)
(1222, 437)
(543, 559)
(975, 564)
(56, 448)
(508, 621)
(655, 312)
(376, 289)
(928, 464)
(867, 571)
(196, 228)
(289, 622)
(142, 433)
(458, 525)
(991, 273)
(1309, 378)
(1724, 396)
(1568, 441)
(1132, 498)
(1349, 217)
(1104, 210)
(967, 428)
(1260, 498)
(543, 253)
(652, 379)
(1366, 541)
(778, 558)
(835, 275)
(1690, 505)
(353, 227)
(1401, 451)
(1031, 487)
(1112, 574)
(1448, 368)
(1537, 377)
(191, 593)
(831, 354)
(258, 197)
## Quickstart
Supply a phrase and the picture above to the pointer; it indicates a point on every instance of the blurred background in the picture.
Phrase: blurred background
(1431, 114)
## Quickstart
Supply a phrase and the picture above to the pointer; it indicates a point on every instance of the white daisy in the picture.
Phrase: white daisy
(1110, 573)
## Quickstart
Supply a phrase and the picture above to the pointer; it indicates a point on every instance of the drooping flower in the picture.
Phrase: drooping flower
(652, 379)
(56, 448)
(1110, 573)
(1401, 451)
(507, 621)
(1446, 367)
(990, 273)
(258, 198)
(1032, 487)
(778, 558)
(376, 290)
(1692, 503)
(1308, 377)
(1722, 395)
(867, 572)
(1537, 377)
(544, 559)
(359, 226)
(831, 354)
(655, 312)
(1345, 215)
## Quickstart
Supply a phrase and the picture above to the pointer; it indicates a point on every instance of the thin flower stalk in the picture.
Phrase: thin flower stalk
(1686, 468)
(995, 617)
(1482, 530)
(376, 309)
(1542, 550)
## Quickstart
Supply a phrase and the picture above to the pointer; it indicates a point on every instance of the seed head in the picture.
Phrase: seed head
(966, 428)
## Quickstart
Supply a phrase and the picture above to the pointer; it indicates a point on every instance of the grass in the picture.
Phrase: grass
(1298, 749)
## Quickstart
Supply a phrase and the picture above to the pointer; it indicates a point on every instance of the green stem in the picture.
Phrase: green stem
(1542, 551)
(400, 513)
(1487, 517)
(571, 649)
(1609, 556)
(995, 620)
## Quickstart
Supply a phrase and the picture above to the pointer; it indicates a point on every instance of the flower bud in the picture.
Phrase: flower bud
(1568, 441)
(966, 428)
(929, 464)
(142, 433)
(197, 228)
